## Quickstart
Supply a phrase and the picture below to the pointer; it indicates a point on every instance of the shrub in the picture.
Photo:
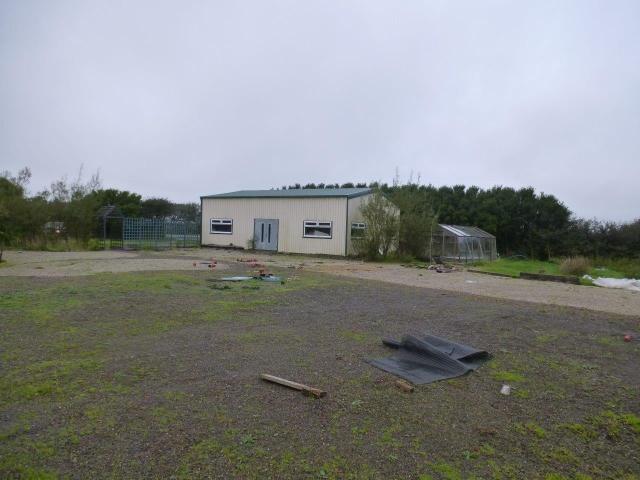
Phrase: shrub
(381, 235)
(94, 244)
(575, 266)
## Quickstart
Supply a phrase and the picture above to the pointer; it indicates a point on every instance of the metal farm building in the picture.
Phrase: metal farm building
(311, 221)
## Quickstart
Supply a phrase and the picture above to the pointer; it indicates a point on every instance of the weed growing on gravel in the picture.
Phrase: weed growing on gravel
(582, 431)
(613, 423)
(531, 428)
(447, 471)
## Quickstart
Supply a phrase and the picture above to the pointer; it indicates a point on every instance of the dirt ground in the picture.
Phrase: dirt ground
(155, 375)
(548, 293)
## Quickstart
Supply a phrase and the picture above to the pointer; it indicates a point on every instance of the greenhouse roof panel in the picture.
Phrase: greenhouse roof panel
(466, 231)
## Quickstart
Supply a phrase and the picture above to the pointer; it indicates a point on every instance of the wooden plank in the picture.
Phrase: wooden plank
(404, 386)
(316, 392)
(551, 278)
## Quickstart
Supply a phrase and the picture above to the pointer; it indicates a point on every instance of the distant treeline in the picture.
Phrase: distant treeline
(67, 210)
(524, 222)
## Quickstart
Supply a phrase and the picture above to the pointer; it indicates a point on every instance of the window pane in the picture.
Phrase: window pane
(317, 229)
(220, 225)
(357, 229)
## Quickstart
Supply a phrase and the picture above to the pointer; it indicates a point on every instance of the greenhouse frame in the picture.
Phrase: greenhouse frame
(456, 243)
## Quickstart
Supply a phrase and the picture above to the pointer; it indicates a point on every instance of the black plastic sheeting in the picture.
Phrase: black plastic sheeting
(429, 359)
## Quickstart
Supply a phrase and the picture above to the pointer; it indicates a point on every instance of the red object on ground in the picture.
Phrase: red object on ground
(628, 338)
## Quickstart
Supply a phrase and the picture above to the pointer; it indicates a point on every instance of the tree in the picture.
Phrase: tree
(186, 211)
(417, 221)
(156, 208)
(130, 204)
(11, 200)
(381, 232)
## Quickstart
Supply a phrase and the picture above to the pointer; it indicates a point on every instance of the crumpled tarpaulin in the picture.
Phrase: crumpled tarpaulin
(429, 359)
(624, 283)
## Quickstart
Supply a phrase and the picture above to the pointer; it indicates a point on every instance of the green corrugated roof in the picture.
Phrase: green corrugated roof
(294, 193)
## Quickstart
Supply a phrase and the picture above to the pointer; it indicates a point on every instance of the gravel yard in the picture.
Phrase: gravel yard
(88, 263)
(155, 375)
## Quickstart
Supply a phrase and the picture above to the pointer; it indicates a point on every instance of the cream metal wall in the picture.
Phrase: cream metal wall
(291, 213)
(354, 215)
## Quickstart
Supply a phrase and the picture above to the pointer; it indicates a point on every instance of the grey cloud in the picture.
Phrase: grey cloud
(180, 99)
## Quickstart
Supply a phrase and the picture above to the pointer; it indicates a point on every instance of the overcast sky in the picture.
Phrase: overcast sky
(181, 99)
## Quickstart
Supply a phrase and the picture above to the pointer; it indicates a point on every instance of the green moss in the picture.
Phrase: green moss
(564, 455)
(580, 430)
(613, 423)
(163, 417)
(359, 337)
(487, 450)
(447, 471)
(387, 438)
(197, 460)
(632, 421)
(15, 466)
(505, 376)
(174, 396)
(531, 428)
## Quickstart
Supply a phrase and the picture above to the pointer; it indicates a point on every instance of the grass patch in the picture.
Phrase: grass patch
(514, 267)
(624, 268)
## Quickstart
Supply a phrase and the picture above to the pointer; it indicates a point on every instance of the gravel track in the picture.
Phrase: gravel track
(54, 264)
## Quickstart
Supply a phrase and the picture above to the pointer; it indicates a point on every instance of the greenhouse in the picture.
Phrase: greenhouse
(456, 243)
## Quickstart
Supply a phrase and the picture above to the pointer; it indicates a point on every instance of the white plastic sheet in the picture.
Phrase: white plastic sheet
(624, 283)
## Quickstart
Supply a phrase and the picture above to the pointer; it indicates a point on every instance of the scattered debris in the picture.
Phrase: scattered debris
(295, 385)
(505, 390)
(470, 281)
(429, 359)
(269, 277)
(442, 268)
(445, 270)
(404, 386)
(266, 277)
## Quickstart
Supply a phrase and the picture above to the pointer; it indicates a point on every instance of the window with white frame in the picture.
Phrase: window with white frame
(316, 229)
(221, 225)
(357, 229)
